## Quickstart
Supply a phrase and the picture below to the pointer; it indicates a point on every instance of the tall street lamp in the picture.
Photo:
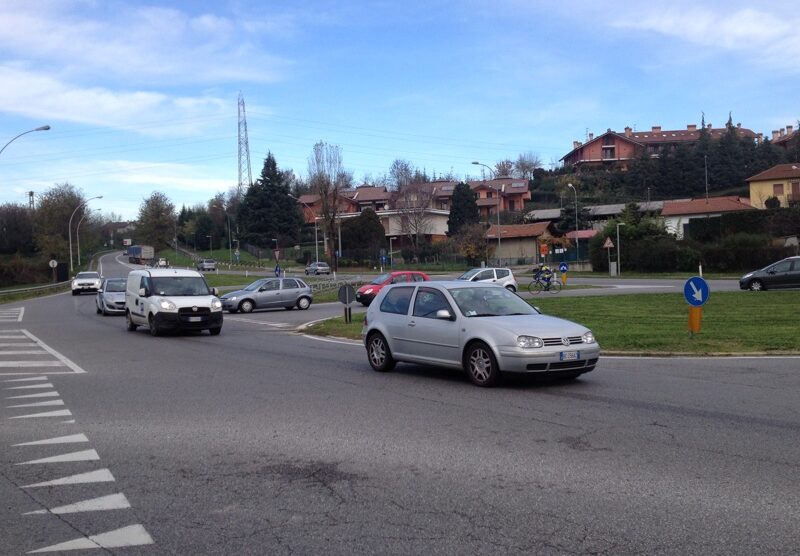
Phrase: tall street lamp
(210, 246)
(619, 261)
(69, 226)
(41, 128)
(78, 234)
(316, 243)
(498, 207)
(230, 250)
(577, 239)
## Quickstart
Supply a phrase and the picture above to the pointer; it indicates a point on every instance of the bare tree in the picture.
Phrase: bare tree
(401, 173)
(503, 167)
(526, 164)
(412, 203)
(327, 178)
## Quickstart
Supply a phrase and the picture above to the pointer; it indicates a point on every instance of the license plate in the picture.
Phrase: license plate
(570, 355)
(195, 319)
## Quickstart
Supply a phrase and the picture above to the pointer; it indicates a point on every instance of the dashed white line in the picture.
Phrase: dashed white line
(28, 379)
(29, 386)
(6, 364)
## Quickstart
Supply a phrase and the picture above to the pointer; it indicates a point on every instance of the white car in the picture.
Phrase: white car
(171, 299)
(501, 276)
(86, 282)
(483, 329)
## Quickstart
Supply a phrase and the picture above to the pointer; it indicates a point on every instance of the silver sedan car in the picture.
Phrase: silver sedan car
(110, 299)
(482, 329)
(269, 293)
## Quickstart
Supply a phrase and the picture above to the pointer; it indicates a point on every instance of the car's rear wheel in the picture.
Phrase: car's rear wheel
(215, 331)
(246, 306)
(756, 285)
(303, 303)
(129, 323)
(378, 353)
(481, 365)
(154, 331)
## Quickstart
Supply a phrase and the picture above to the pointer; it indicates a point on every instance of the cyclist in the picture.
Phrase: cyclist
(545, 274)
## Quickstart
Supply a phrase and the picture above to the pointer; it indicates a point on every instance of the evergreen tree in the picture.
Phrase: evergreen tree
(267, 211)
(364, 234)
(156, 225)
(463, 210)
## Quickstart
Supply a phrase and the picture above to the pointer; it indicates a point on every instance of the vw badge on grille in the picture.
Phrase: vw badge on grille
(565, 341)
(194, 308)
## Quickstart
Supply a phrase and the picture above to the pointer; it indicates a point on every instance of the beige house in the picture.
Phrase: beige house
(518, 241)
(781, 181)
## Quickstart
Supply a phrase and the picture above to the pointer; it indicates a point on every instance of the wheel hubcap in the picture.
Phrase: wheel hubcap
(480, 365)
(377, 352)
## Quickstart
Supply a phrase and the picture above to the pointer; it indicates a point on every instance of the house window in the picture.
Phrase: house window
(777, 189)
(608, 152)
(443, 206)
(608, 141)
(795, 196)
(511, 205)
(488, 194)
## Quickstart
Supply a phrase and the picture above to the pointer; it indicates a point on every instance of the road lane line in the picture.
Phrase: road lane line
(83, 455)
(36, 395)
(37, 404)
(103, 503)
(29, 379)
(29, 386)
(98, 476)
(21, 313)
(69, 439)
(54, 353)
(132, 535)
(59, 413)
(333, 341)
(10, 364)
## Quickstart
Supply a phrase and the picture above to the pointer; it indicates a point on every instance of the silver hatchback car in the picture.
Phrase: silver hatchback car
(483, 329)
(269, 293)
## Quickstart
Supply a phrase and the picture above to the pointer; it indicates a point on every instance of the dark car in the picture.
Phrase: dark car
(783, 274)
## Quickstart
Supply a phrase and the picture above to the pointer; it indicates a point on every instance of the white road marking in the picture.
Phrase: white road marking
(29, 386)
(71, 421)
(36, 395)
(333, 340)
(21, 313)
(4, 364)
(16, 344)
(70, 439)
(272, 324)
(133, 535)
(54, 353)
(12, 337)
(29, 379)
(22, 352)
(12, 315)
(103, 503)
(58, 413)
(99, 476)
(83, 455)
(47, 403)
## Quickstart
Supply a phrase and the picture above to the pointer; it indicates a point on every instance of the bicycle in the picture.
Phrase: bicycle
(538, 285)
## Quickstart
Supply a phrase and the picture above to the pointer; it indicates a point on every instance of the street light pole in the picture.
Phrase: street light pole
(619, 261)
(210, 245)
(41, 128)
(316, 242)
(78, 235)
(230, 249)
(577, 239)
(498, 207)
(69, 226)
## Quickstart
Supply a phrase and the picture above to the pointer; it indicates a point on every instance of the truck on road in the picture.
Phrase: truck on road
(141, 254)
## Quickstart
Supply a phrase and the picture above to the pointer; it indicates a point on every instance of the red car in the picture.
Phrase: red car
(367, 292)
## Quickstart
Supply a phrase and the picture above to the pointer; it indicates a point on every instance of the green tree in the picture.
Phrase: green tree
(471, 242)
(16, 229)
(267, 211)
(363, 236)
(54, 208)
(463, 210)
(156, 224)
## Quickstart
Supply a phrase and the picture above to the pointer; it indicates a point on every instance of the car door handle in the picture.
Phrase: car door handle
(412, 323)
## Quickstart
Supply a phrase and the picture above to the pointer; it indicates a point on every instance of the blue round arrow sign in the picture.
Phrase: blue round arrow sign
(696, 291)
(563, 267)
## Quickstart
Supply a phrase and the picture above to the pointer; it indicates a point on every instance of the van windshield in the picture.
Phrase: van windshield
(180, 285)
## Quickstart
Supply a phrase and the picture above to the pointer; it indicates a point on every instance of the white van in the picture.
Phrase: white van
(171, 299)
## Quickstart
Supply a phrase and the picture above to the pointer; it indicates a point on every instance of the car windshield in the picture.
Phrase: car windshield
(470, 273)
(115, 286)
(88, 275)
(180, 285)
(254, 286)
(489, 301)
(380, 279)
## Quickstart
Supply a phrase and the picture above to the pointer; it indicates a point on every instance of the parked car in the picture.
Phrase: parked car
(502, 276)
(170, 299)
(367, 292)
(110, 299)
(318, 268)
(269, 293)
(86, 282)
(206, 264)
(483, 329)
(782, 274)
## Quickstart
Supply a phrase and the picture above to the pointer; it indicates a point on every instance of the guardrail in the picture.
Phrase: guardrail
(35, 289)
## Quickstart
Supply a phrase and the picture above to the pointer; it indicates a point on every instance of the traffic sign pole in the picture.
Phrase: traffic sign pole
(696, 292)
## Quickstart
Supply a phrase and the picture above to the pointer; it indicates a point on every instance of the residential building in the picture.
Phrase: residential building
(783, 136)
(781, 181)
(676, 214)
(519, 242)
(619, 149)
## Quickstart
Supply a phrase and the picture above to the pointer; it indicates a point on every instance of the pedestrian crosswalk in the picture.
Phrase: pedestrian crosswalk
(22, 353)
(12, 315)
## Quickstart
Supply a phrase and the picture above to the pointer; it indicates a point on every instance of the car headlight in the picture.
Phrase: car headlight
(588, 337)
(230, 298)
(217, 304)
(368, 291)
(529, 342)
(167, 305)
(748, 275)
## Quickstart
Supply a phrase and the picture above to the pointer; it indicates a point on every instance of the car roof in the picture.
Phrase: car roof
(165, 272)
(447, 284)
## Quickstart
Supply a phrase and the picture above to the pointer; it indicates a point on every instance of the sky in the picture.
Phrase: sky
(142, 96)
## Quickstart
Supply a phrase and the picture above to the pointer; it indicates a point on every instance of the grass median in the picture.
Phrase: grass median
(732, 323)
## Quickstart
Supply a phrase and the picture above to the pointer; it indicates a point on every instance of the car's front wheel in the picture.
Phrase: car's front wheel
(246, 306)
(511, 288)
(129, 323)
(154, 331)
(380, 357)
(481, 365)
(303, 303)
(215, 331)
(756, 285)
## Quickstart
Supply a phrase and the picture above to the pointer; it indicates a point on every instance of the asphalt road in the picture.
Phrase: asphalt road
(265, 441)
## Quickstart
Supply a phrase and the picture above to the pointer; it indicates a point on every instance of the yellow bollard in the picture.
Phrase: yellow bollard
(564, 278)
(695, 316)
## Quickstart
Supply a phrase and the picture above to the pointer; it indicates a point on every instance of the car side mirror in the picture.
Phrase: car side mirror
(214, 291)
(444, 314)
(100, 290)
(143, 292)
